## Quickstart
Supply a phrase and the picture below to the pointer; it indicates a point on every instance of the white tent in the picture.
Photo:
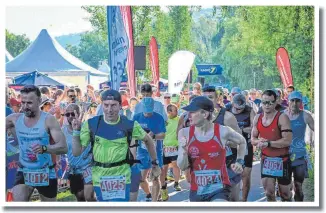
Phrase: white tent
(46, 55)
(8, 56)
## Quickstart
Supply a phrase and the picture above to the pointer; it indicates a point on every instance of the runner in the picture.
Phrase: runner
(79, 168)
(154, 124)
(170, 153)
(110, 136)
(202, 149)
(273, 135)
(254, 97)
(245, 116)
(196, 90)
(225, 118)
(299, 120)
(39, 136)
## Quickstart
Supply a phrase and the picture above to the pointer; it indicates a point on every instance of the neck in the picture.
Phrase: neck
(36, 117)
(294, 112)
(205, 127)
(111, 121)
(270, 115)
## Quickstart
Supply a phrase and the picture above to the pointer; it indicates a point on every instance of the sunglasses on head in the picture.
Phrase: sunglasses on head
(295, 100)
(70, 114)
(268, 102)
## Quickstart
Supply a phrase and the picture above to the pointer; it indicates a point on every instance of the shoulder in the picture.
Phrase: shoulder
(157, 115)
(184, 132)
(229, 115)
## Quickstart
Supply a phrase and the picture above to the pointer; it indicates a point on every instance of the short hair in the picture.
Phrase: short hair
(146, 88)
(270, 92)
(75, 106)
(292, 87)
(123, 92)
(57, 94)
(31, 88)
(170, 106)
(210, 89)
(197, 84)
(45, 90)
(133, 99)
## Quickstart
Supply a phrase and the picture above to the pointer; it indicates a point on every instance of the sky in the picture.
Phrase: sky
(58, 20)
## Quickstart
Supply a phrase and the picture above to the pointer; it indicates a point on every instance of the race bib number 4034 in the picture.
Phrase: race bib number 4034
(273, 167)
(113, 187)
(36, 177)
(208, 181)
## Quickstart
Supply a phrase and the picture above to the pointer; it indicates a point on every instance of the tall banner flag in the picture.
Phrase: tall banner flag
(154, 62)
(118, 45)
(127, 20)
(179, 66)
(284, 66)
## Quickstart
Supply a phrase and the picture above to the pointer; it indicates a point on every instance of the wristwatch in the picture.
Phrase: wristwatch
(155, 162)
(241, 162)
(44, 149)
(268, 144)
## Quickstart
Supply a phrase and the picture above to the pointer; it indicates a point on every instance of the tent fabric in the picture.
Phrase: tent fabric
(45, 54)
(37, 79)
(8, 56)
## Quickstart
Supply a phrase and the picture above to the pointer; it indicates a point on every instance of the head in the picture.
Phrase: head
(106, 87)
(92, 108)
(200, 111)
(289, 89)
(238, 103)
(167, 99)
(53, 91)
(124, 99)
(197, 88)
(146, 90)
(132, 103)
(79, 93)
(210, 93)
(259, 94)
(72, 111)
(148, 106)
(235, 91)
(268, 101)
(278, 96)
(253, 94)
(245, 93)
(111, 102)
(72, 97)
(30, 100)
(172, 110)
(15, 105)
(45, 91)
(58, 94)
(295, 100)
(46, 103)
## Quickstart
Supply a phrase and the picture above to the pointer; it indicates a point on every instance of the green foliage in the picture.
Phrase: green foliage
(16, 44)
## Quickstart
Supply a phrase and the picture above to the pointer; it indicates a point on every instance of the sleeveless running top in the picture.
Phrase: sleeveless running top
(272, 133)
(35, 135)
(298, 145)
(207, 160)
(243, 120)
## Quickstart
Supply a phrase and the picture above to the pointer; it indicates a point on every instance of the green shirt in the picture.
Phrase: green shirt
(110, 151)
(171, 132)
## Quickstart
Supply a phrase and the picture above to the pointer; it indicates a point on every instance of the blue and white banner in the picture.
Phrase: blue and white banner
(118, 45)
(209, 69)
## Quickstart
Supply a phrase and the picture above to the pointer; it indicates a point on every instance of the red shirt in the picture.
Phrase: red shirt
(271, 133)
(207, 160)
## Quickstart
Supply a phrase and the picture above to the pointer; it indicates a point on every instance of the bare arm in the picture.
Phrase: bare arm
(77, 148)
(249, 128)
(254, 132)
(286, 140)
(149, 143)
(309, 120)
(11, 120)
(159, 136)
(182, 160)
(180, 123)
(60, 145)
(231, 121)
(229, 134)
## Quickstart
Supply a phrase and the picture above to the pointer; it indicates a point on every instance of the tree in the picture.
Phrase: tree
(16, 44)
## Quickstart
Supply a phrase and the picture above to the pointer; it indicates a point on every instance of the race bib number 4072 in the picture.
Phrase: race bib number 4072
(36, 177)
(113, 187)
(273, 167)
(208, 181)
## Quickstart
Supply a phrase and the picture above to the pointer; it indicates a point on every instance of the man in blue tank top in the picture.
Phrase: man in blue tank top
(299, 120)
(40, 138)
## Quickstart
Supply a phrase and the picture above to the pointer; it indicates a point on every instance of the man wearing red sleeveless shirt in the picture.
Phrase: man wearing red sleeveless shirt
(272, 134)
(202, 149)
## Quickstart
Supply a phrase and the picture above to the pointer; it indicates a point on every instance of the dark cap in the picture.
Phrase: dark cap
(111, 95)
(200, 102)
(146, 88)
(239, 101)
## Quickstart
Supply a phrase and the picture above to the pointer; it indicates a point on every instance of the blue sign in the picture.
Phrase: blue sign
(209, 69)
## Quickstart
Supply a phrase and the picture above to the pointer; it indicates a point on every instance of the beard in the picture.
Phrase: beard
(29, 113)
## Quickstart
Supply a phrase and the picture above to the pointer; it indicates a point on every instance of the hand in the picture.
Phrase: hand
(36, 148)
(155, 173)
(262, 145)
(184, 144)
(76, 123)
(237, 168)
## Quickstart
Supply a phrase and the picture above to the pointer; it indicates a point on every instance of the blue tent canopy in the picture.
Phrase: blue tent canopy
(37, 79)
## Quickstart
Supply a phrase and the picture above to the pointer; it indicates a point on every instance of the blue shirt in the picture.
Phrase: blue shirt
(8, 111)
(158, 108)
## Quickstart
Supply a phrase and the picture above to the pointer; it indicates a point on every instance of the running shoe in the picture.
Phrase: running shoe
(164, 194)
(177, 187)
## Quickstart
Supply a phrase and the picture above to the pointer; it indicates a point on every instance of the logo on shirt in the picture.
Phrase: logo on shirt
(213, 154)
(194, 151)
(120, 134)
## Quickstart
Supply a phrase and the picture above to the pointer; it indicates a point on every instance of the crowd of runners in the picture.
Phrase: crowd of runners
(116, 145)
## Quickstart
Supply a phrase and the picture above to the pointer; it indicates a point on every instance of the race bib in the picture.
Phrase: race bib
(228, 151)
(170, 151)
(87, 174)
(273, 167)
(208, 181)
(36, 177)
(113, 187)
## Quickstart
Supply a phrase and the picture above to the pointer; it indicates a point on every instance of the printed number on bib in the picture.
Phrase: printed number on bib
(36, 177)
(273, 167)
(113, 187)
(208, 181)
(170, 151)
(87, 174)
